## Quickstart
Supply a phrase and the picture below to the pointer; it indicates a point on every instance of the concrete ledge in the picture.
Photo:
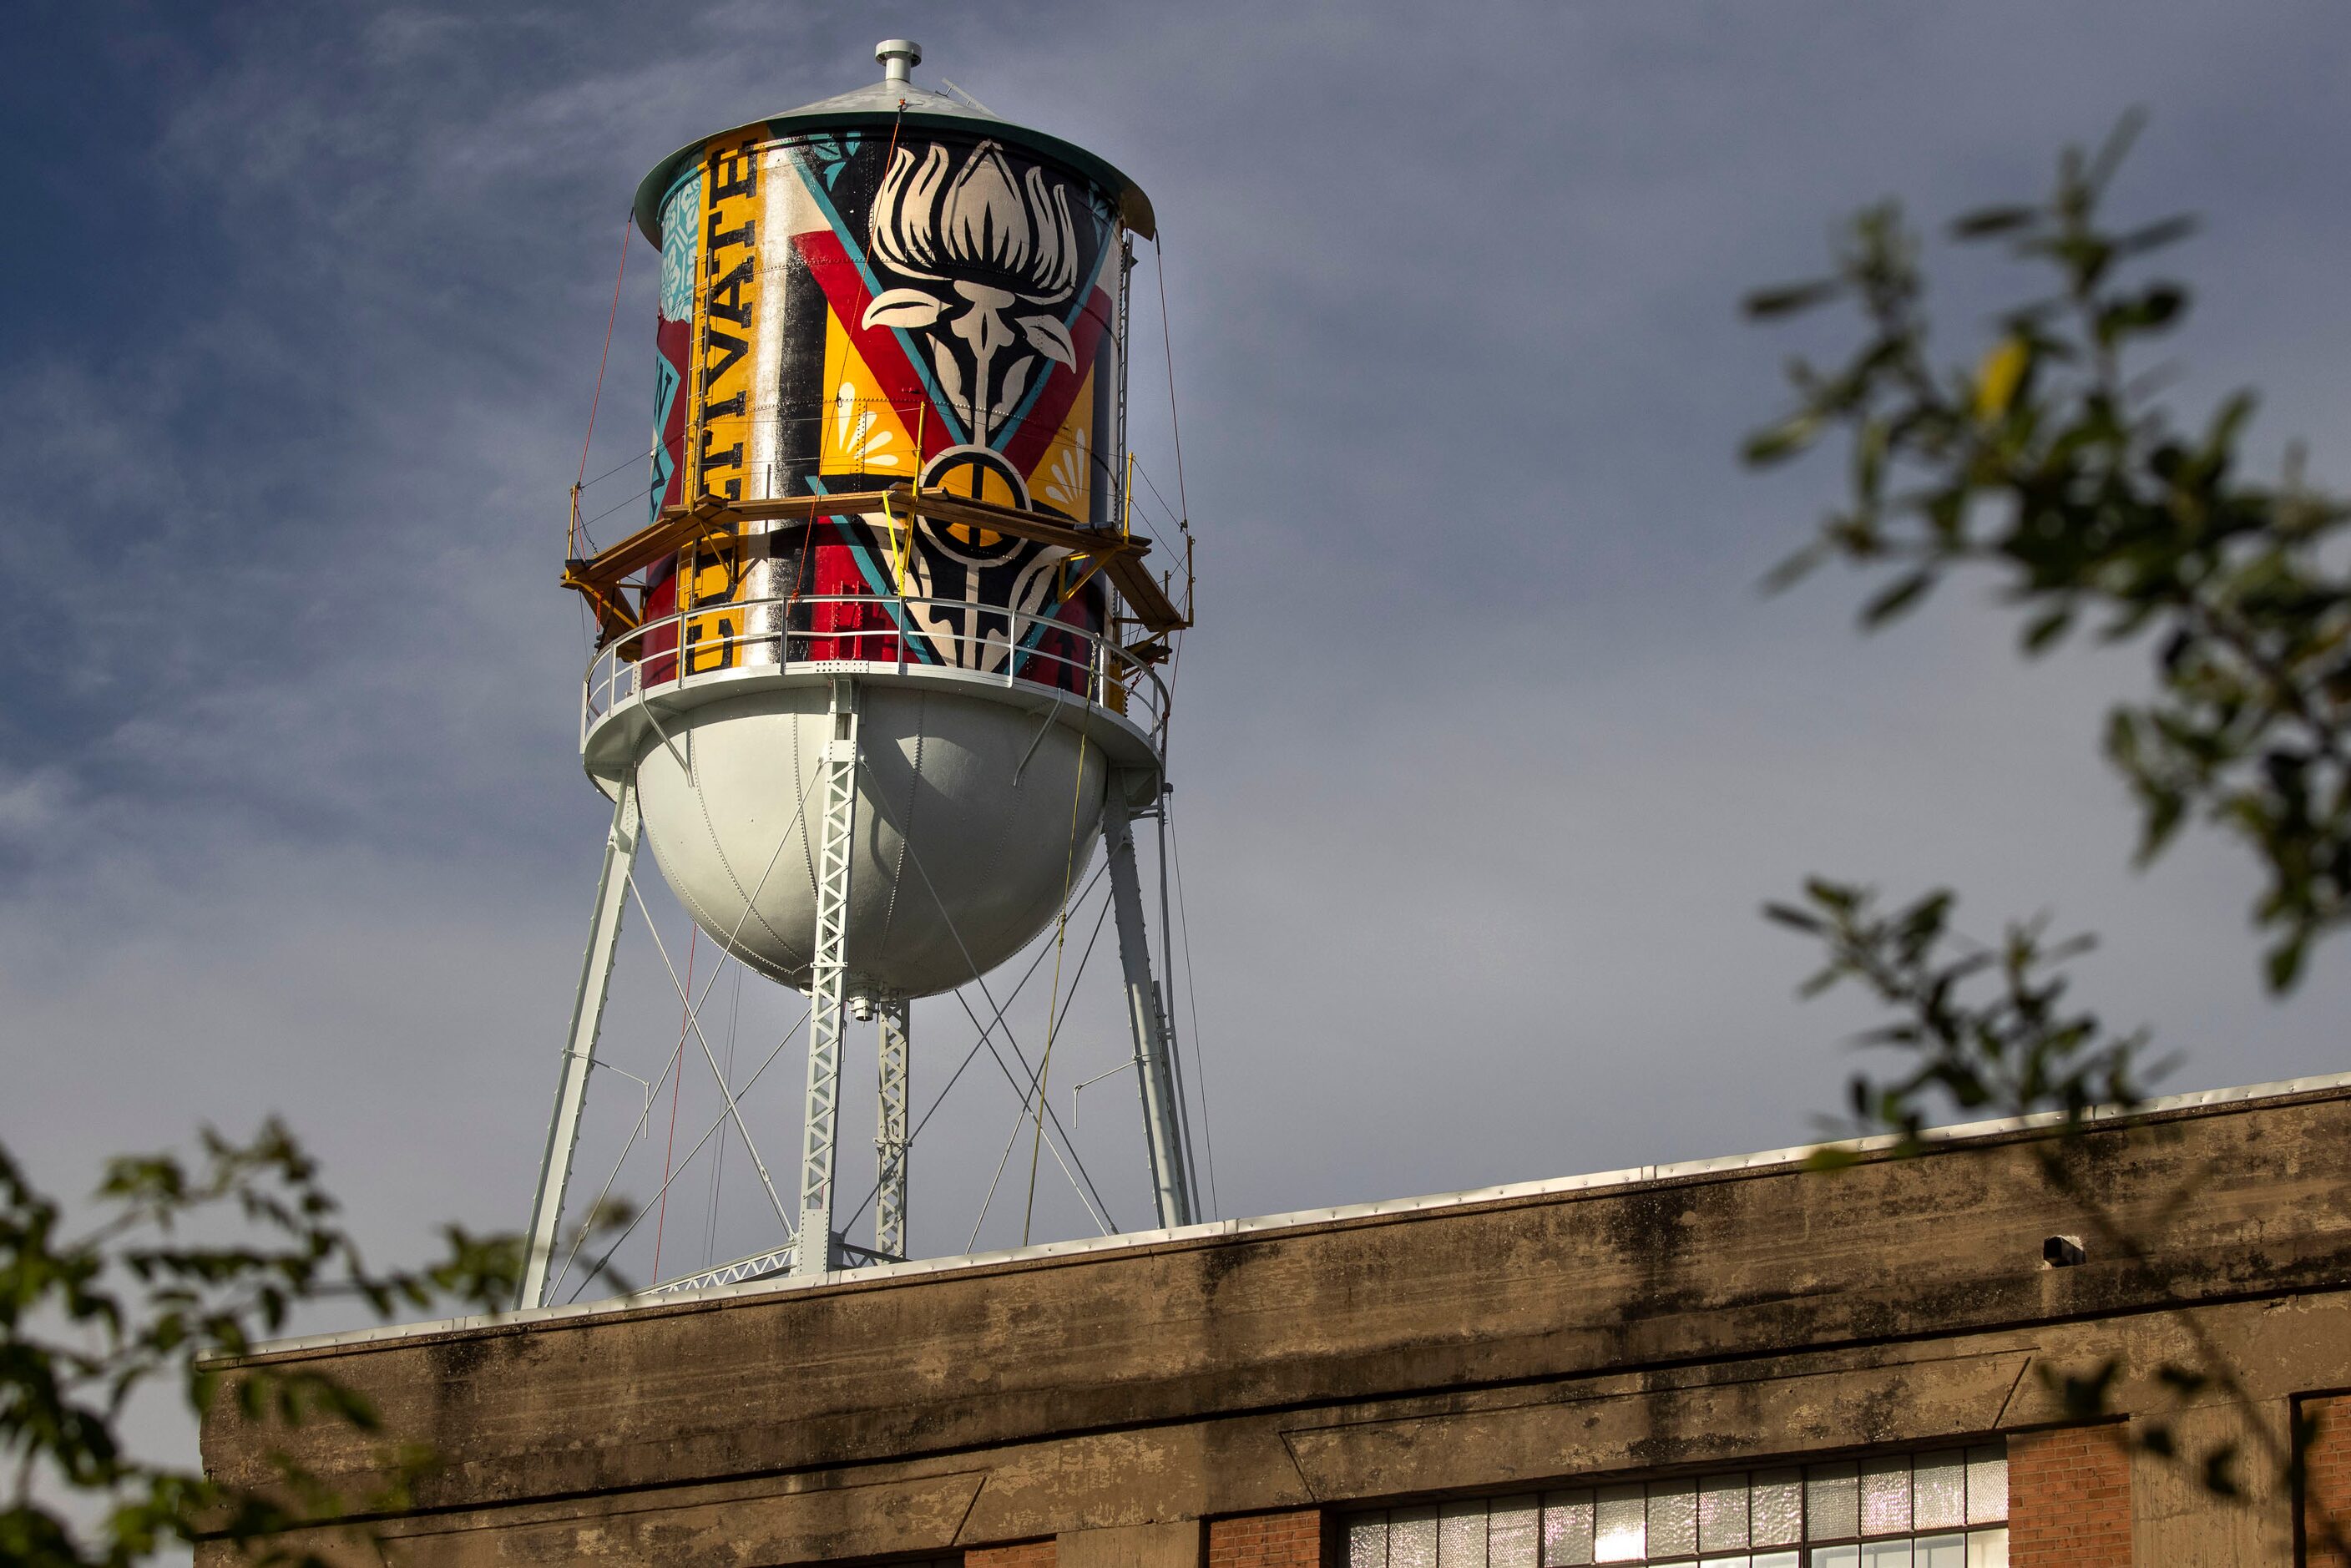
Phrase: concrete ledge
(1097, 1382)
(2164, 1109)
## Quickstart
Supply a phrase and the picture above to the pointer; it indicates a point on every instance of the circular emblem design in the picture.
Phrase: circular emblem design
(976, 473)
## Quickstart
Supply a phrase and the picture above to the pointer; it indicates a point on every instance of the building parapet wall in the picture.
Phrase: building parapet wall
(1714, 1316)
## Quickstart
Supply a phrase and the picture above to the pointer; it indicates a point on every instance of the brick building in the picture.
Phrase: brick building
(1739, 1362)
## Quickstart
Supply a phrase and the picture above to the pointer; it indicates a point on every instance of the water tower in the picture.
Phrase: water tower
(877, 670)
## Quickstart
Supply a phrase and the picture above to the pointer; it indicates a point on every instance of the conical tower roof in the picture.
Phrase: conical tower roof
(896, 100)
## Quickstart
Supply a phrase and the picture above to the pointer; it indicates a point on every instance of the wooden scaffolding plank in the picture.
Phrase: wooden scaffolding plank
(1143, 596)
(598, 577)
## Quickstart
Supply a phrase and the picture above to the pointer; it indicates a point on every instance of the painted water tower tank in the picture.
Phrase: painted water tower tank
(888, 450)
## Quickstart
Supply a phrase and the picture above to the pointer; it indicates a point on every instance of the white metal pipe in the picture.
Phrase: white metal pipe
(1171, 1184)
(897, 56)
(579, 1045)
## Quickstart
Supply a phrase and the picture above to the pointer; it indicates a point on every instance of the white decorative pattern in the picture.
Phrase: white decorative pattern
(989, 258)
(681, 226)
(855, 441)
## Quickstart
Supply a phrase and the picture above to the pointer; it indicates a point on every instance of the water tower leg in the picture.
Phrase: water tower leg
(889, 1137)
(828, 978)
(1163, 1138)
(579, 1046)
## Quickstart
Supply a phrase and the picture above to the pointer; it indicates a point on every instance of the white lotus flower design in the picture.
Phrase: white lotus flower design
(990, 257)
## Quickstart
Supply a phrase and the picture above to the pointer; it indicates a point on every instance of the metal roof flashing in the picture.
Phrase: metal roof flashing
(895, 104)
(1725, 1168)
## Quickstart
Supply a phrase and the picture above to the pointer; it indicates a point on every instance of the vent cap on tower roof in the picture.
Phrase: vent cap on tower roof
(899, 56)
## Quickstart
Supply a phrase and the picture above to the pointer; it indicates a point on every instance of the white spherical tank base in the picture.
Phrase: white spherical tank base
(978, 808)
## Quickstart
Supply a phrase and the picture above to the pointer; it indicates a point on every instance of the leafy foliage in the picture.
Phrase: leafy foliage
(2052, 462)
(148, 1298)
(1987, 1027)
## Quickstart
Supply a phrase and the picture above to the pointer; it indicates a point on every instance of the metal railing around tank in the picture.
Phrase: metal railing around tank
(1007, 648)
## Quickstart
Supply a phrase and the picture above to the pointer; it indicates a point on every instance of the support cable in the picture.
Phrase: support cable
(1096, 1206)
(1019, 1119)
(1167, 509)
(685, 1017)
(1100, 916)
(597, 1270)
(1192, 993)
(627, 500)
(1053, 992)
(718, 1161)
(694, 1013)
(728, 945)
(1175, 1037)
(586, 1026)
(1159, 266)
(652, 1091)
(572, 535)
(712, 1057)
(973, 1054)
(630, 462)
(750, 902)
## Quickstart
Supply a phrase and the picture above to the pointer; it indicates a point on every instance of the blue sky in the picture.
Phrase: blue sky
(1489, 747)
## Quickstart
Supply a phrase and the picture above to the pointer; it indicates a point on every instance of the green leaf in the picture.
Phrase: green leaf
(1985, 223)
(1782, 441)
(2282, 963)
(1789, 299)
(1897, 599)
(1815, 984)
(2160, 303)
(2043, 632)
(1841, 897)
(1795, 568)
(1869, 451)
(2229, 420)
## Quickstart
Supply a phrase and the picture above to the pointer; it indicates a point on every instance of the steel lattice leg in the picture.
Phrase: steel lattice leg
(890, 1134)
(828, 979)
(579, 1045)
(1171, 1183)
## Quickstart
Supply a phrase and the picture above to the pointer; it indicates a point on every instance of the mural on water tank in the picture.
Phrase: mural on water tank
(844, 311)
(985, 263)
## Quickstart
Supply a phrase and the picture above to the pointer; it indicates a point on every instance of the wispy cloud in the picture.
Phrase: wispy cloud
(1487, 747)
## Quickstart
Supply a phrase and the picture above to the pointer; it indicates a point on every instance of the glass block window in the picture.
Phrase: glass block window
(1944, 1509)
